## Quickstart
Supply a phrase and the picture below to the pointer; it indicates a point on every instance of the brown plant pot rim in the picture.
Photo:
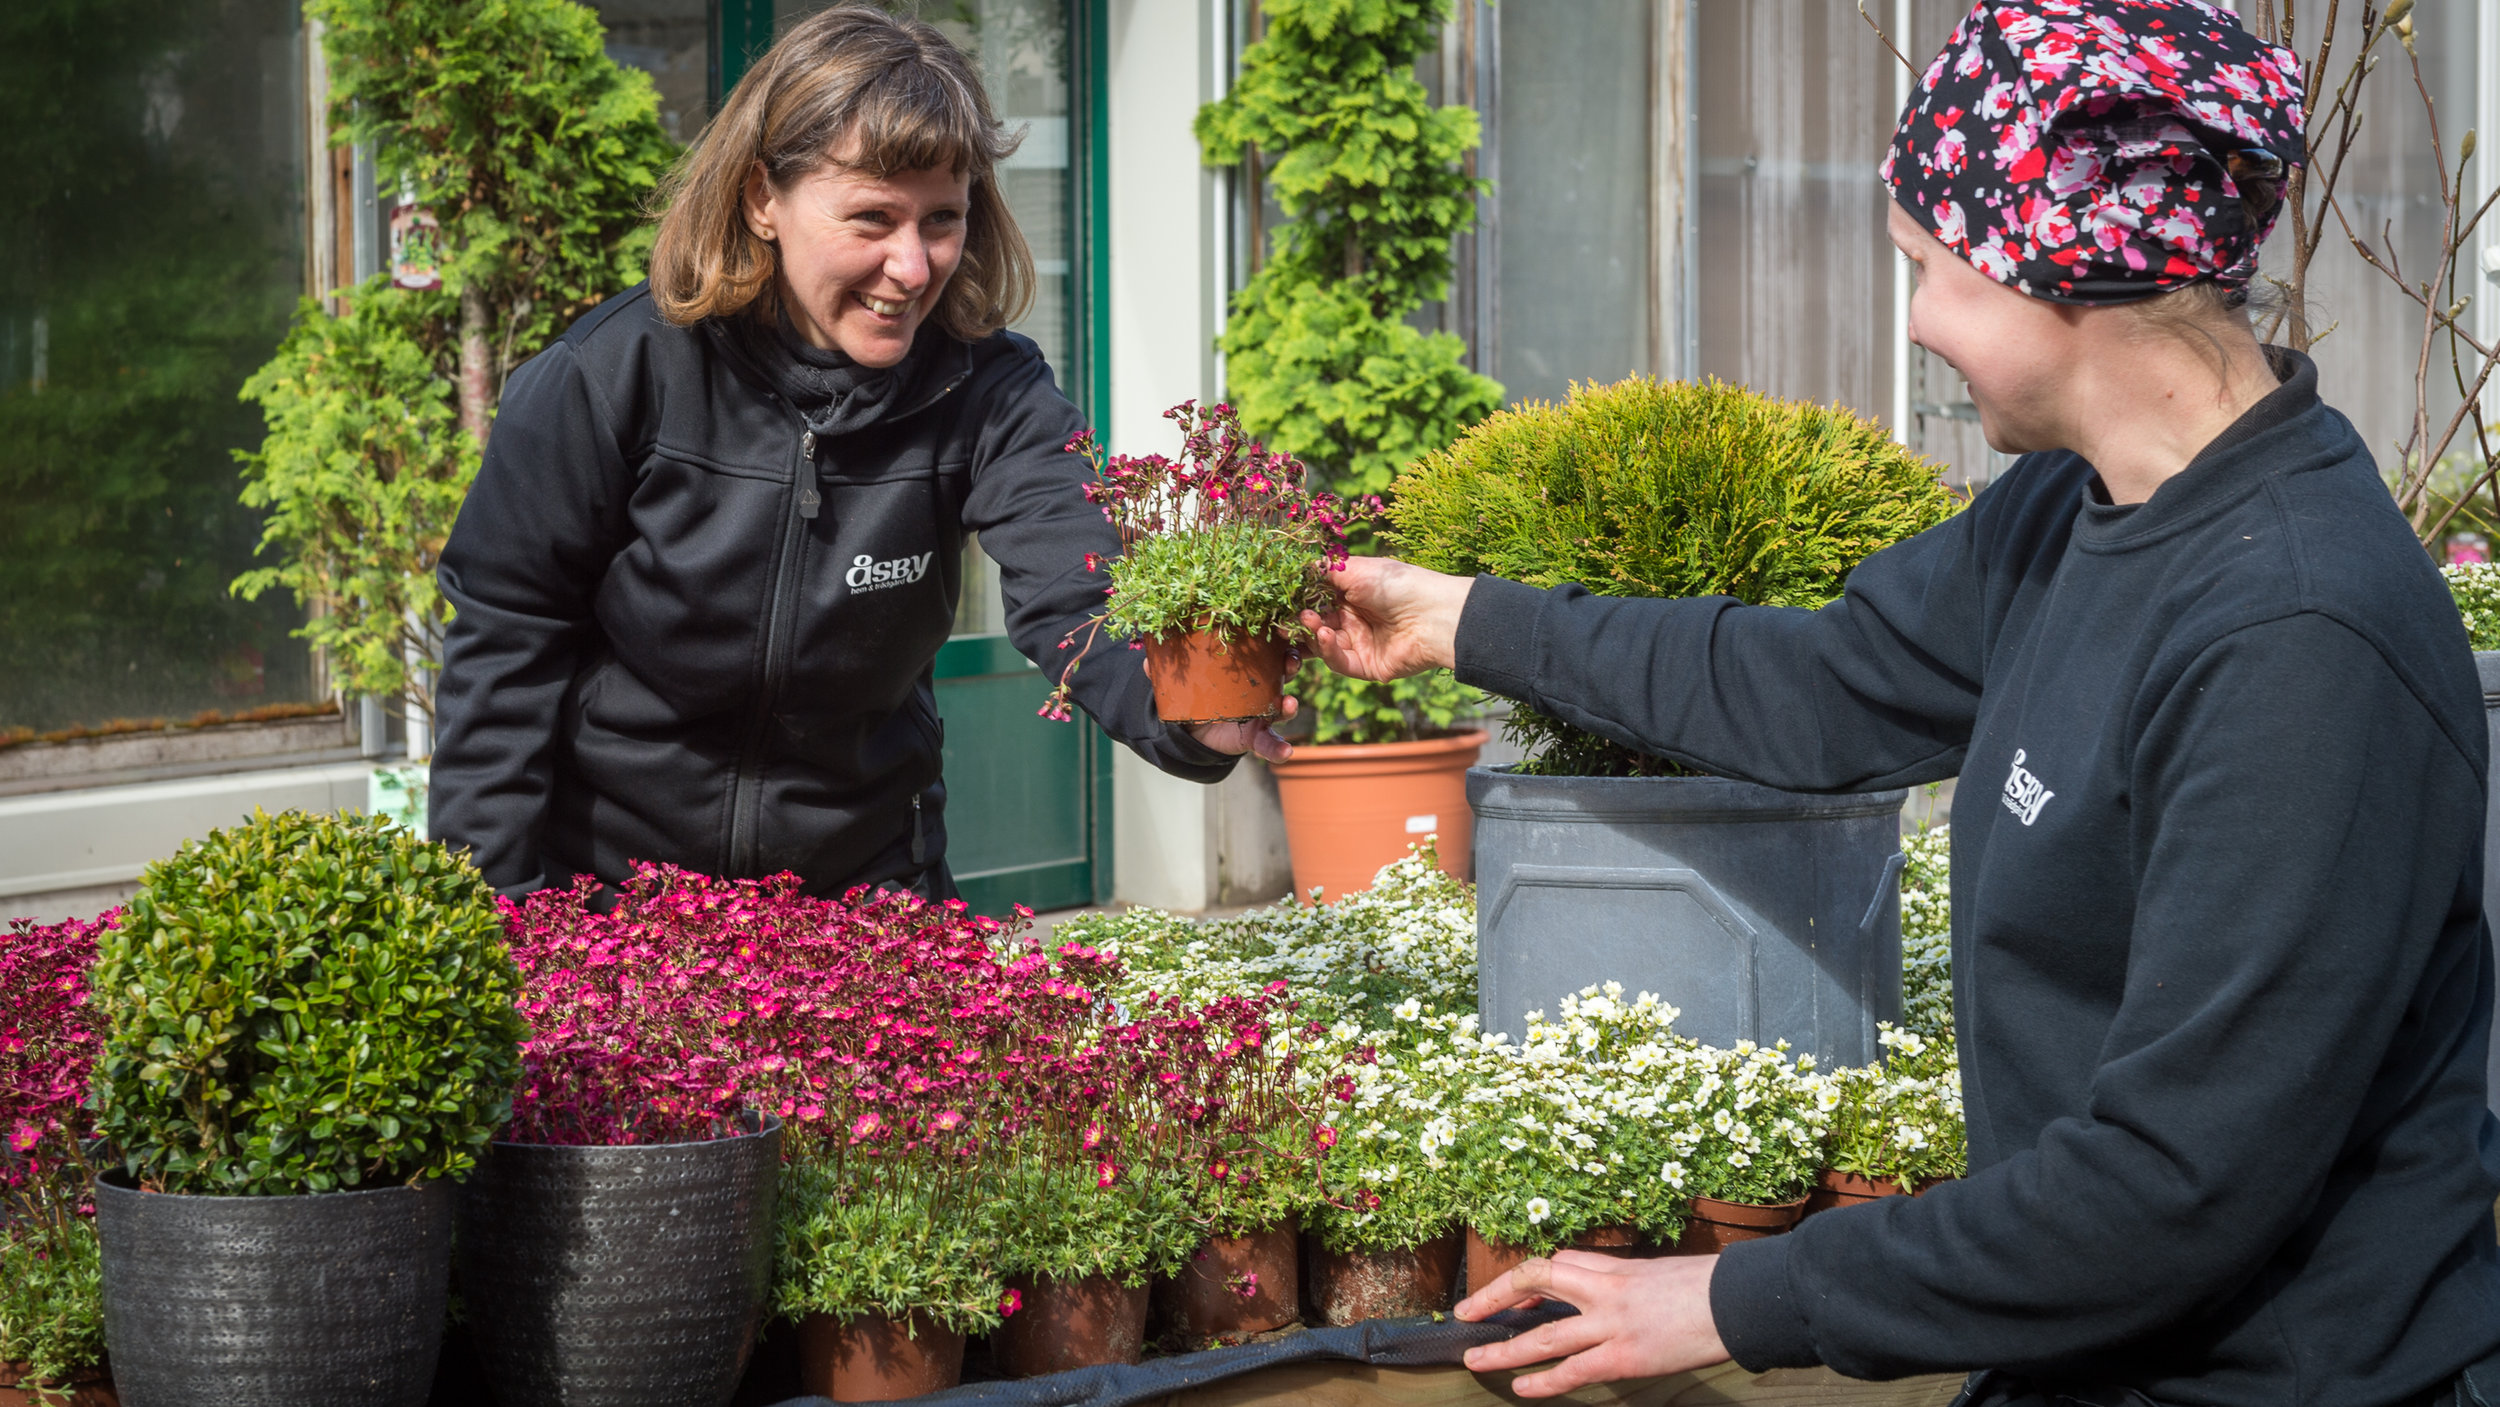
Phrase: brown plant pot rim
(1379, 759)
(1752, 1214)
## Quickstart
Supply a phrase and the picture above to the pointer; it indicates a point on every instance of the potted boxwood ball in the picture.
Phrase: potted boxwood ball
(308, 1032)
(1220, 554)
(615, 1245)
(1763, 914)
(2476, 585)
(1380, 767)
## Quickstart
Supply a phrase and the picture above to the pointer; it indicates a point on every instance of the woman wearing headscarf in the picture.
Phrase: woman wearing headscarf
(2223, 992)
(718, 535)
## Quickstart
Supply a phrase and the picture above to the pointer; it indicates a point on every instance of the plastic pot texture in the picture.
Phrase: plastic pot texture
(1350, 1287)
(1761, 915)
(619, 1277)
(877, 1359)
(315, 1299)
(1352, 807)
(1715, 1225)
(1488, 1260)
(87, 1387)
(1064, 1324)
(1209, 677)
(1839, 1189)
(2487, 663)
(1236, 1286)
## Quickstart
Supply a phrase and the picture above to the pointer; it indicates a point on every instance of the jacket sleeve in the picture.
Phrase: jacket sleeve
(2309, 832)
(1028, 504)
(534, 538)
(1877, 689)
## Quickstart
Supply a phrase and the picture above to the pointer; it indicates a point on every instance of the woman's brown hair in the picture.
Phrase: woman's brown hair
(907, 98)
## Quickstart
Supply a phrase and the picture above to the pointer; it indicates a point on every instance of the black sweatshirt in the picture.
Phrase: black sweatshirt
(700, 583)
(2221, 982)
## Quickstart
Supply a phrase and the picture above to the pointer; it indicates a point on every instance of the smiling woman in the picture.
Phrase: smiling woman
(717, 539)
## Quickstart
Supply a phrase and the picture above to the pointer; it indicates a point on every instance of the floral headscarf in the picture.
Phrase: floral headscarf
(2081, 150)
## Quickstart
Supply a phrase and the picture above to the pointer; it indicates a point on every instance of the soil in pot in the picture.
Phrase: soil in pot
(1236, 1286)
(1351, 808)
(1488, 1260)
(1350, 1287)
(877, 1359)
(1208, 677)
(1064, 1324)
(316, 1299)
(1715, 1225)
(87, 1387)
(1839, 1189)
(619, 1277)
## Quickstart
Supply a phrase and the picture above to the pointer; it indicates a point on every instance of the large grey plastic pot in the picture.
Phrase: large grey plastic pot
(619, 1277)
(1762, 915)
(302, 1301)
(2487, 663)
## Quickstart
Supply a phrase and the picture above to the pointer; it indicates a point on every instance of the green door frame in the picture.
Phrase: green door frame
(741, 31)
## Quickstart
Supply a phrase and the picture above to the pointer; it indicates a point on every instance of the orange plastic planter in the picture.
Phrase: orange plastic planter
(1208, 677)
(1352, 807)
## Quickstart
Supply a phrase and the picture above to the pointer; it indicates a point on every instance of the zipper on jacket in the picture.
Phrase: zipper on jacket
(919, 841)
(746, 802)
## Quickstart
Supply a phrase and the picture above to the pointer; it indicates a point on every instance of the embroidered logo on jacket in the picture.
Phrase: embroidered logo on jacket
(2024, 796)
(869, 574)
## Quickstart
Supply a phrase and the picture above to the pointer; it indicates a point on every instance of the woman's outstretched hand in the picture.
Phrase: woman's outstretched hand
(1395, 619)
(1637, 1319)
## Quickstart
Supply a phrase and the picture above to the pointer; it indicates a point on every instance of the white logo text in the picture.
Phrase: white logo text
(869, 574)
(2024, 796)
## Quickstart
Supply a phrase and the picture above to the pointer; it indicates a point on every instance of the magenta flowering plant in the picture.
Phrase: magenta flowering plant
(48, 1046)
(1228, 538)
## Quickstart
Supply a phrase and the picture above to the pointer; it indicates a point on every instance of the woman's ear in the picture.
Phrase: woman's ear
(760, 205)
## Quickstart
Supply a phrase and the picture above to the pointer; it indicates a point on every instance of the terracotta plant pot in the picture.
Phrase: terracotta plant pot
(1237, 1286)
(877, 1359)
(1351, 808)
(1351, 1287)
(1064, 1324)
(1207, 677)
(88, 1387)
(1488, 1260)
(1840, 1189)
(1715, 1225)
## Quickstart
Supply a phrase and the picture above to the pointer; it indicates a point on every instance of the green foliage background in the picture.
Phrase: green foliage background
(302, 1004)
(1320, 360)
(1663, 488)
(536, 153)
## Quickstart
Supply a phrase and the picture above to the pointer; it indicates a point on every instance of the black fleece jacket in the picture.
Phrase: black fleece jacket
(2220, 975)
(699, 585)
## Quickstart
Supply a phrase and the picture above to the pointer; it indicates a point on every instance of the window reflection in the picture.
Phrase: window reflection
(151, 251)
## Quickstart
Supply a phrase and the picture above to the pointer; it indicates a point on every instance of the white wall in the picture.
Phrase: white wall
(1177, 845)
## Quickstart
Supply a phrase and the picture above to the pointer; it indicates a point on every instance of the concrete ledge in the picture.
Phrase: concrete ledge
(98, 837)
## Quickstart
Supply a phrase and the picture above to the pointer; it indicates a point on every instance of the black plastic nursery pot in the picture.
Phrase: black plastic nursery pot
(1762, 915)
(315, 1299)
(628, 1276)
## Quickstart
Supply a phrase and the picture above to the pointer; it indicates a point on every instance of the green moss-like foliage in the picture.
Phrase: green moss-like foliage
(304, 1004)
(1342, 709)
(1663, 488)
(51, 1301)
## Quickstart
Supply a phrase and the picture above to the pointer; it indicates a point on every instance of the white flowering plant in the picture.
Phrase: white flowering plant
(1568, 1131)
(1391, 1181)
(1747, 1124)
(2476, 586)
(1927, 933)
(1901, 1121)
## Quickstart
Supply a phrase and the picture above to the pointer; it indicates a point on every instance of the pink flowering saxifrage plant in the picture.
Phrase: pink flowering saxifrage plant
(51, 1274)
(1227, 538)
(963, 1105)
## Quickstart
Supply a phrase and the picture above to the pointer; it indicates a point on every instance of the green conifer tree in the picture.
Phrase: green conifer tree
(1319, 356)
